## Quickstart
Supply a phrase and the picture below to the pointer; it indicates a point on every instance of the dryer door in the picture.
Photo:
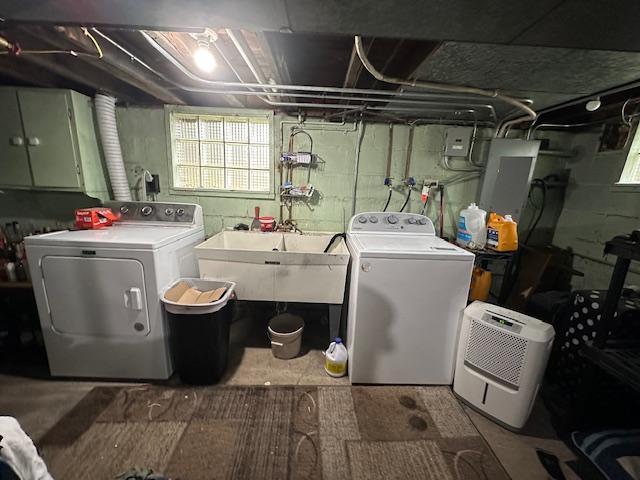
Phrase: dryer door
(96, 296)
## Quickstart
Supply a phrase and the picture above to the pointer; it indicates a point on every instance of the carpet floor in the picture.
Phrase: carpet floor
(208, 433)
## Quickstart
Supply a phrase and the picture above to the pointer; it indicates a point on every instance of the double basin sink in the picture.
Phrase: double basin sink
(275, 266)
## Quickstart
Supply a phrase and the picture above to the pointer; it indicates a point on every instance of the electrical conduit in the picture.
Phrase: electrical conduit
(106, 114)
(530, 114)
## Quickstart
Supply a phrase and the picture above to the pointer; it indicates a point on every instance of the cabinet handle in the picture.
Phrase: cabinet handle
(33, 141)
(17, 141)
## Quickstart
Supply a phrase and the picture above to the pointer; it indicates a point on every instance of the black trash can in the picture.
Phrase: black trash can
(199, 333)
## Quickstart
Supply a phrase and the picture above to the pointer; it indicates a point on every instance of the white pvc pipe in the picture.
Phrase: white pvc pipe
(106, 114)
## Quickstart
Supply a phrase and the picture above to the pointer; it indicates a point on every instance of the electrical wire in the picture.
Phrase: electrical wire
(15, 50)
(386, 205)
(73, 53)
(94, 41)
(426, 200)
(447, 166)
(407, 200)
(542, 184)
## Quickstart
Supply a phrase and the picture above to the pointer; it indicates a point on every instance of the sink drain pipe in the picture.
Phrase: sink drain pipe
(106, 115)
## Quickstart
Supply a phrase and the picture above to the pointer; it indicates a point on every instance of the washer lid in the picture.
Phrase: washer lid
(117, 236)
(406, 246)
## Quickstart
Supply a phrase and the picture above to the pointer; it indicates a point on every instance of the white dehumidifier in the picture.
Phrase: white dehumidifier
(501, 359)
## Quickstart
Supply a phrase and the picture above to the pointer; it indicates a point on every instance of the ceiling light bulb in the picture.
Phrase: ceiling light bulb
(593, 105)
(204, 60)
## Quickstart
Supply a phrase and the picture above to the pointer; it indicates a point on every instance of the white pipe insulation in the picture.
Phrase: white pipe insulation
(106, 114)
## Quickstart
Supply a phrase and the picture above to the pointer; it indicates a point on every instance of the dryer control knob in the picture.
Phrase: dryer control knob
(422, 221)
(168, 212)
(411, 220)
(180, 212)
(146, 210)
(362, 219)
(373, 219)
(392, 219)
(124, 209)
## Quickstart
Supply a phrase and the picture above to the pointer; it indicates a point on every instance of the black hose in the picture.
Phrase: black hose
(333, 239)
(407, 200)
(540, 183)
(386, 205)
(424, 205)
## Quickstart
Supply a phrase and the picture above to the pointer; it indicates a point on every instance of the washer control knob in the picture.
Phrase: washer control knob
(124, 209)
(411, 220)
(146, 210)
(168, 212)
(392, 219)
(422, 221)
(373, 219)
(180, 212)
(362, 219)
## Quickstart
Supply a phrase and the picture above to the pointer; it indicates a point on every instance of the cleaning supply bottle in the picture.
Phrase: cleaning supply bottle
(480, 284)
(335, 358)
(502, 233)
(472, 227)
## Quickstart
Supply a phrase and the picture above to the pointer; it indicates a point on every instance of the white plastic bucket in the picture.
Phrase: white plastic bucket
(285, 333)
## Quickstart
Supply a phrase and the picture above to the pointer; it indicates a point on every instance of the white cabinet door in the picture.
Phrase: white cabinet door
(96, 296)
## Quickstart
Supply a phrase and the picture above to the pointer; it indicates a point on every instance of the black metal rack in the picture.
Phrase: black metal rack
(619, 359)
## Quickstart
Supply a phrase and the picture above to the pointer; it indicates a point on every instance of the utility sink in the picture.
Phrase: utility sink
(275, 266)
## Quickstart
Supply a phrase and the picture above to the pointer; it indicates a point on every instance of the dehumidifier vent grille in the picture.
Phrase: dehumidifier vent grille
(496, 352)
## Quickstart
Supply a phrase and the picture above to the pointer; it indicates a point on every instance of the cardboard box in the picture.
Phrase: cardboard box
(184, 294)
(98, 217)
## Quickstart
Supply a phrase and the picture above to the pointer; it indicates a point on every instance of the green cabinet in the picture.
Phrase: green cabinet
(14, 160)
(49, 141)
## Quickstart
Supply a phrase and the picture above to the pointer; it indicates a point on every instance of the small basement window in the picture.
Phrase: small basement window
(631, 172)
(221, 153)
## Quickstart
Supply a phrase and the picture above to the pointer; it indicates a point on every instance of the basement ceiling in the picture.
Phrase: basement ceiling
(584, 24)
(500, 45)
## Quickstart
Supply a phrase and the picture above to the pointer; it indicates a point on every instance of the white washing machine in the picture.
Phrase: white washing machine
(98, 291)
(407, 293)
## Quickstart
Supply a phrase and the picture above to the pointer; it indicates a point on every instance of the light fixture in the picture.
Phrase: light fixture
(593, 105)
(203, 57)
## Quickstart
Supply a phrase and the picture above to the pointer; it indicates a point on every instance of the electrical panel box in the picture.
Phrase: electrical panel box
(457, 141)
(507, 176)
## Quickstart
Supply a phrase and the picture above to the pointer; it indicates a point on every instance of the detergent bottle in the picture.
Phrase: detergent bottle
(335, 359)
(472, 228)
(480, 284)
(502, 233)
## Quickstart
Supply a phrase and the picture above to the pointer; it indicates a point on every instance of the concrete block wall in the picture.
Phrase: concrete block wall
(144, 143)
(595, 210)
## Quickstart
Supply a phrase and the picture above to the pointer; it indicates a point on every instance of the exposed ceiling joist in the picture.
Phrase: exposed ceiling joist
(588, 24)
(112, 62)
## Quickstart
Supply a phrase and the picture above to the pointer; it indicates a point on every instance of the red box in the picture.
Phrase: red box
(97, 217)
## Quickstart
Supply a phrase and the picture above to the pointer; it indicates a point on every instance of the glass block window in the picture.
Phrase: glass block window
(217, 152)
(631, 172)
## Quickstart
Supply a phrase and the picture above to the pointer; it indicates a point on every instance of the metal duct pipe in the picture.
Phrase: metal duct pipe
(530, 113)
(106, 115)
